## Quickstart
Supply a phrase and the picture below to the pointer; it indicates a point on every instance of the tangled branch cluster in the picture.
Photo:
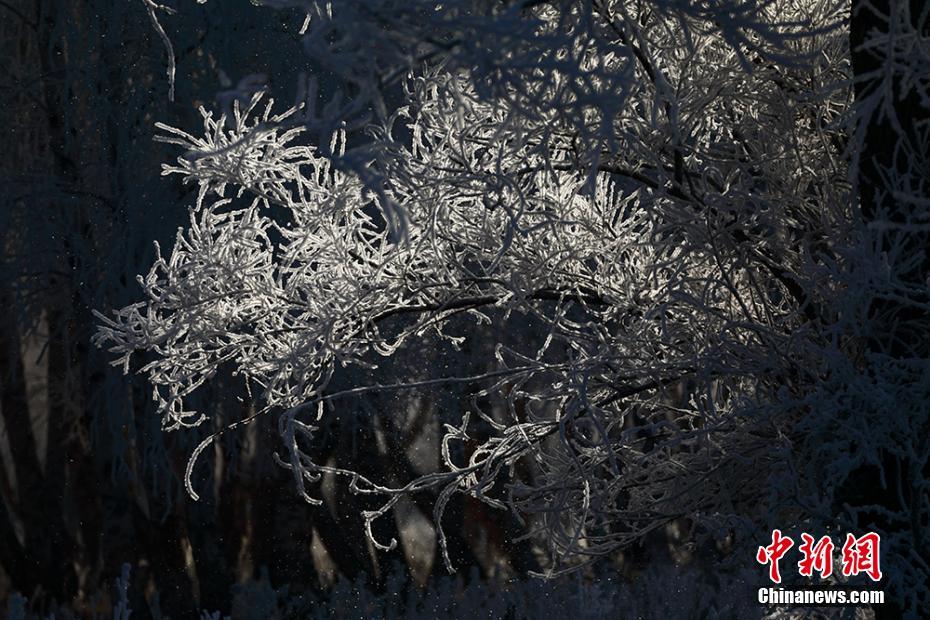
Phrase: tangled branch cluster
(662, 186)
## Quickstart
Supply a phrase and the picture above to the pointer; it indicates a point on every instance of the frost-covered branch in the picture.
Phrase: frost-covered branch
(660, 189)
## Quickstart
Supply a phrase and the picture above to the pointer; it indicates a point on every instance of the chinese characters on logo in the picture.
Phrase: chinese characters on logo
(859, 555)
(817, 557)
(773, 553)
